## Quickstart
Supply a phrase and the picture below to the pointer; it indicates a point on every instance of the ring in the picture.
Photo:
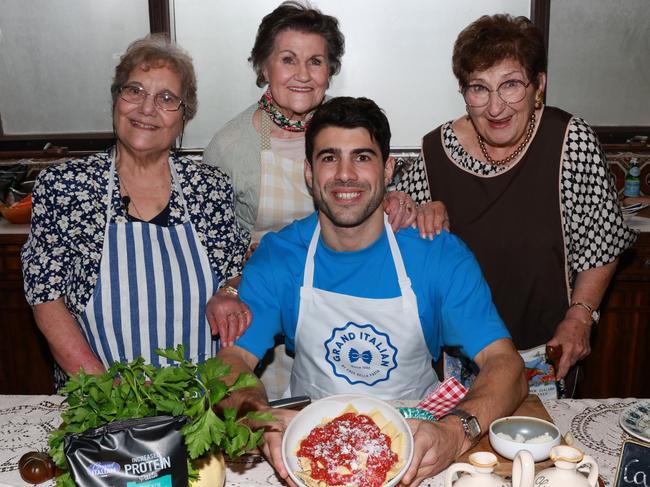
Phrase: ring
(402, 202)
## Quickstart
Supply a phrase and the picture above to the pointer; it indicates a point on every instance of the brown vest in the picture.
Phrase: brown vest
(512, 222)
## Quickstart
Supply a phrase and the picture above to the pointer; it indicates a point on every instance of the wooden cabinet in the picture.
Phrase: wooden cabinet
(619, 364)
(25, 360)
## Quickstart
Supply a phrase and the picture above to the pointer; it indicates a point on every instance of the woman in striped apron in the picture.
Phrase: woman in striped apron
(128, 246)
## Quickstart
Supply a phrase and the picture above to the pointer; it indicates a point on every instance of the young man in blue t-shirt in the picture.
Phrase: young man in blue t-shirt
(366, 310)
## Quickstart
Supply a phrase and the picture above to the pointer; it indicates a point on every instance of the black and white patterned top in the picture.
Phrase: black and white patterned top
(593, 225)
(63, 252)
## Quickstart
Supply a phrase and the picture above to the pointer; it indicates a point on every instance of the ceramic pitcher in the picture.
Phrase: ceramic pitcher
(567, 460)
(481, 471)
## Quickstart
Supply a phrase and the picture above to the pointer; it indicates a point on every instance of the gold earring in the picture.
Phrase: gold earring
(539, 100)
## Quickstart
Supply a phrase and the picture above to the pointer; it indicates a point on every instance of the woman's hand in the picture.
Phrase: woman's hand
(432, 218)
(227, 315)
(573, 335)
(574, 330)
(401, 210)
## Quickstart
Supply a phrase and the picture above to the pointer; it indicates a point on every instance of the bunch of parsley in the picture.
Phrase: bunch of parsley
(143, 390)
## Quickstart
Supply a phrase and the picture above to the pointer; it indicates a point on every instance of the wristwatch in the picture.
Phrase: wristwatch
(595, 314)
(470, 424)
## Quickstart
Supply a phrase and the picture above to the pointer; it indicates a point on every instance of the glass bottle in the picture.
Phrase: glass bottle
(632, 179)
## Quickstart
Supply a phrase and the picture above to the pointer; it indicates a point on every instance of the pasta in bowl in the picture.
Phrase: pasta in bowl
(347, 439)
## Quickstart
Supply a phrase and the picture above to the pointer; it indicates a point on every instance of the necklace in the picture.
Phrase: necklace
(127, 199)
(517, 151)
(267, 104)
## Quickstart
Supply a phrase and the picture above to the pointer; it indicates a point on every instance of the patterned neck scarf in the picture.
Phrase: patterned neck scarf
(267, 104)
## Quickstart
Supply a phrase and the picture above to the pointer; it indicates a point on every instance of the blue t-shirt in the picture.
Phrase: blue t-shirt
(454, 301)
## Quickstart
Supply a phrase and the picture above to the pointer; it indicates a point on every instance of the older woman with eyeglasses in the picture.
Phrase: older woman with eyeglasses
(127, 246)
(528, 189)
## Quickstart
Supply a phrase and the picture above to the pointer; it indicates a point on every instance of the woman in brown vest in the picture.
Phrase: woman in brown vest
(528, 189)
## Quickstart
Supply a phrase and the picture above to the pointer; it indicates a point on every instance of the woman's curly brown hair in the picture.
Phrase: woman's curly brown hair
(494, 38)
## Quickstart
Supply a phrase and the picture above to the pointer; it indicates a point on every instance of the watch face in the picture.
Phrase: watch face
(473, 428)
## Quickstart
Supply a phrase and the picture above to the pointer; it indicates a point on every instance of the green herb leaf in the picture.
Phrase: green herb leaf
(254, 440)
(65, 480)
(136, 389)
(257, 416)
(243, 381)
(178, 354)
(199, 434)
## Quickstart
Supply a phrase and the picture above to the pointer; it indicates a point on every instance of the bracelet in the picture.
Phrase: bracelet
(230, 290)
(593, 314)
(582, 305)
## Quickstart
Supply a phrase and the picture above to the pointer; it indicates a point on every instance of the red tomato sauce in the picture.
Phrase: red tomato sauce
(337, 444)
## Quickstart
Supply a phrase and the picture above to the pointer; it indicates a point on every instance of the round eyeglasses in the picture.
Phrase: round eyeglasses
(511, 91)
(164, 100)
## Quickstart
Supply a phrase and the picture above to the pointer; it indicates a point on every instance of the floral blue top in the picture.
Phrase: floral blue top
(63, 252)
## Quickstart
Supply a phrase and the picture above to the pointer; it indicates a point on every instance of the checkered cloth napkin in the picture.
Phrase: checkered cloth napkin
(443, 398)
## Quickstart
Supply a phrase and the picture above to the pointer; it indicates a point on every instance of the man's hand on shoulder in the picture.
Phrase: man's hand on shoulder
(436, 446)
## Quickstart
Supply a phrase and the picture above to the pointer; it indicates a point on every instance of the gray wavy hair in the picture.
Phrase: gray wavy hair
(154, 51)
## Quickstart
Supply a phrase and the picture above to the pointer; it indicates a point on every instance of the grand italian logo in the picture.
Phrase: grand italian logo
(360, 354)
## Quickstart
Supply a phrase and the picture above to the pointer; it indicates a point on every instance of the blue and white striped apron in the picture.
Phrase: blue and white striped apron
(153, 285)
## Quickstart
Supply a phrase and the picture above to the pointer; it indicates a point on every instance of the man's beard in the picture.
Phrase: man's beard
(348, 217)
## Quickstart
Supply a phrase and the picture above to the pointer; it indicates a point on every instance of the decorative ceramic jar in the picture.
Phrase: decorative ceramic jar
(567, 460)
(480, 471)
(212, 471)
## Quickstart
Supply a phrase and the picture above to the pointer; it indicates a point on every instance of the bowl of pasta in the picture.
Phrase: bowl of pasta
(347, 439)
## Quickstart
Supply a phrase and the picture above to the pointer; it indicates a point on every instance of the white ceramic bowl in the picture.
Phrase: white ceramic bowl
(527, 427)
(331, 407)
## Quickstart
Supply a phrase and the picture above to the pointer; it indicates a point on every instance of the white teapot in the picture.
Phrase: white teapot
(567, 460)
(481, 471)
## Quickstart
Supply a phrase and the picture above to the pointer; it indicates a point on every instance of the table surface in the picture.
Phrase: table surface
(26, 421)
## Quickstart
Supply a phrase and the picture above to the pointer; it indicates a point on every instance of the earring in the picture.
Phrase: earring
(467, 110)
(539, 100)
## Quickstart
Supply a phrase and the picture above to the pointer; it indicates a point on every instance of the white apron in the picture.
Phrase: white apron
(151, 291)
(348, 344)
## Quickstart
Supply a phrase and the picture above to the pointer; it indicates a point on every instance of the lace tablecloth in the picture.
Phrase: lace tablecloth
(26, 421)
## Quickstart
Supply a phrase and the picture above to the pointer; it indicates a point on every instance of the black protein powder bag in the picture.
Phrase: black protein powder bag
(144, 452)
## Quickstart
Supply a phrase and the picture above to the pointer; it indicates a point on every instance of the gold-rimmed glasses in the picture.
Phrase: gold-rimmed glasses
(510, 91)
(165, 100)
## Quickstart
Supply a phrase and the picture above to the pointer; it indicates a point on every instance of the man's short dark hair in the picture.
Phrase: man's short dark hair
(349, 112)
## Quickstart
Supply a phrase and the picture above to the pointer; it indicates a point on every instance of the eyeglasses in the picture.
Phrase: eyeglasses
(511, 91)
(164, 100)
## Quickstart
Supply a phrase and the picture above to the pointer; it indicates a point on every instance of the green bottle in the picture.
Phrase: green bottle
(632, 179)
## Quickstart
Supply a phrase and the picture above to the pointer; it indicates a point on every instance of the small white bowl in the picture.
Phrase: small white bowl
(527, 427)
(331, 407)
